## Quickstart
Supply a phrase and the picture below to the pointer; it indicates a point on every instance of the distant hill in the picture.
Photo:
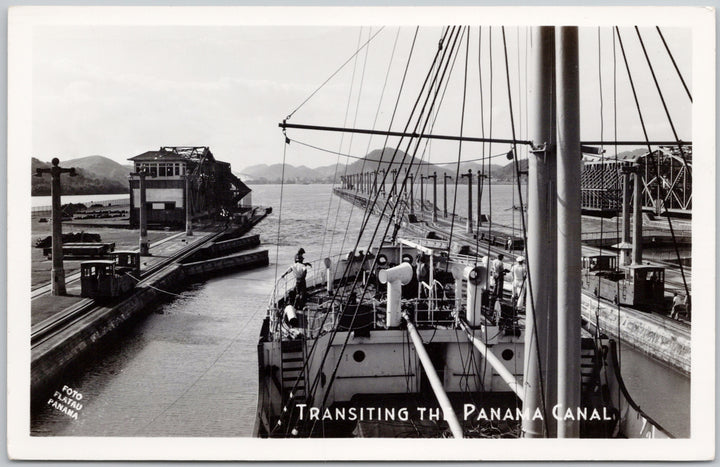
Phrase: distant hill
(100, 165)
(95, 175)
(375, 160)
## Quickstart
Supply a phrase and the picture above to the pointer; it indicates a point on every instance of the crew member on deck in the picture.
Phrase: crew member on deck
(299, 269)
(497, 270)
(519, 274)
(677, 306)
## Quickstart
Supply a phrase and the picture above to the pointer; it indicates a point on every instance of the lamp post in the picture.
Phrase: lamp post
(57, 273)
(434, 211)
(188, 214)
(445, 179)
(393, 190)
(412, 195)
(144, 246)
(469, 227)
(479, 198)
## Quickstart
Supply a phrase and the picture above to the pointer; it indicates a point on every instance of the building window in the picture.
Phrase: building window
(153, 170)
(162, 170)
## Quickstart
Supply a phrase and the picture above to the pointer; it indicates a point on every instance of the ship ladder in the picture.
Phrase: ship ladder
(589, 366)
(293, 377)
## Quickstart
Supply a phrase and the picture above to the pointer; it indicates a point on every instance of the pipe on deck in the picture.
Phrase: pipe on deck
(494, 362)
(435, 382)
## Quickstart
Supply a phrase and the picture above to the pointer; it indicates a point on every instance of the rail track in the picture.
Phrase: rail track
(57, 323)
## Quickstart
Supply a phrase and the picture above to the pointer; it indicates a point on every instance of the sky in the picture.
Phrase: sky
(119, 91)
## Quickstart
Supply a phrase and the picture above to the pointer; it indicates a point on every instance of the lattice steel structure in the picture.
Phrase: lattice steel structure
(666, 176)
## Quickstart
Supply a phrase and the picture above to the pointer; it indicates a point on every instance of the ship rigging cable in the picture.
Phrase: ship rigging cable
(316, 380)
(352, 137)
(422, 112)
(334, 73)
(602, 181)
(342, 138)
(674, 64)
(534, 337)
(642, 123)
(394, 207)
(314, 384)
(350, 156)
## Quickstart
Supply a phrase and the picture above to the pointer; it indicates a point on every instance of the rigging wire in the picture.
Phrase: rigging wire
(421, 163)
(315, 382)
(342, 139)
(395, 205)
(282, 187)
(362, 167)
(615, 127)
(334, 73)
(602, 182)
(377, 114)
(524, 229)
(674, 64)
(642, 122)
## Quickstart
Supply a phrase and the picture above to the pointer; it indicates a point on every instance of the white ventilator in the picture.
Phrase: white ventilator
(395, 278)
(476, 278)
(329, 275)
(290, 316)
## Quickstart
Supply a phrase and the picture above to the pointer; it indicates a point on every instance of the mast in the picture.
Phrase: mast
(541, 247)
(568, 232)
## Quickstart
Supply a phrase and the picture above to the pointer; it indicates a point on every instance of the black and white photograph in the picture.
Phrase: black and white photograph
(233, 227)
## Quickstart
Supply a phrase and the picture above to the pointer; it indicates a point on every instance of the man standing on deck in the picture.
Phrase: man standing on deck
(677, 306)
(497, 269)
(299, 269)
(519, 274)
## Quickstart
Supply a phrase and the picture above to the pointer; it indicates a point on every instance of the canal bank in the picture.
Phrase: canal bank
(65, 336)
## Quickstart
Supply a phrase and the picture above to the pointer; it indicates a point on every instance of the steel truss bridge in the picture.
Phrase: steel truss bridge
(666, 175)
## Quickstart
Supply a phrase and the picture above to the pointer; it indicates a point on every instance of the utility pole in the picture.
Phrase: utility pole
(625, 248)
(479, 198)
(434, 211)
(637, 216)
(410, 189)
(144, 246)
(422, 194)
(393, 190)
(469, 226)
(57, 273)
(445, 179)
(382, 182)
(188, 214)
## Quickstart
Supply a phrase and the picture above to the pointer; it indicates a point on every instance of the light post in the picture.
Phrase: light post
(445, 179)
(434, 211)
(57, 273)
(469, 227)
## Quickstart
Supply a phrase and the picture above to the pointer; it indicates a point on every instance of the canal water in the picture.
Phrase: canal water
(190, 367)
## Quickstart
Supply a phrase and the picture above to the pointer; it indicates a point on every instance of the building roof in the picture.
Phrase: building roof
(158, 156)
(176, 154)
